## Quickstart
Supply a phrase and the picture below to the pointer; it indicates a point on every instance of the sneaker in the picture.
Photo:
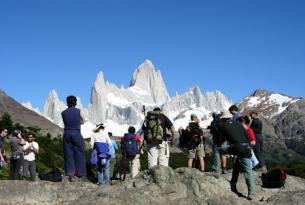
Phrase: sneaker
(250, 197)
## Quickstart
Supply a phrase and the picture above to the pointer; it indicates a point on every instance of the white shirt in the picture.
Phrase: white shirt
(101, 136)
(29, 154)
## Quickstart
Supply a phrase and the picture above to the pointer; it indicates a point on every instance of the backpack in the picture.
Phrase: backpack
(184, 138)
(102, 150)
(130, 146)
(274, 179)
(153, 132)
(52, 176)
(196, 133)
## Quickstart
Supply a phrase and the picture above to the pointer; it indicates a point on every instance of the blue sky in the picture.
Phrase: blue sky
(232, 46)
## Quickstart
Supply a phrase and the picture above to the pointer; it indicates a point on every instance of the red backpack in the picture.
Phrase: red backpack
(274, 179)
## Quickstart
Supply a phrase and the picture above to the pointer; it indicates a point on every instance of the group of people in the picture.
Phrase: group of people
(238, 135)
(103, 147)
(22, 159)
(232, 133)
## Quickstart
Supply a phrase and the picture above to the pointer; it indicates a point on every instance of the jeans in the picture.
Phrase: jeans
(217, 151)
(15, 166)
(29, 166)
(74, 153)
(103, 172)
(258, 150)
(245, 165)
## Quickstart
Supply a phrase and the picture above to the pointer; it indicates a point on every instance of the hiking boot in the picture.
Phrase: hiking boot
(71, 179)
(250, 197)
(224, 171)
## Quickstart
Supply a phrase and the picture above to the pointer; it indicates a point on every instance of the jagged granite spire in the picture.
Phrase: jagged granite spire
(150, 80)
(53, 108)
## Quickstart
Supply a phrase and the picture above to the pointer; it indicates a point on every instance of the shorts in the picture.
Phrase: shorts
(197, 152)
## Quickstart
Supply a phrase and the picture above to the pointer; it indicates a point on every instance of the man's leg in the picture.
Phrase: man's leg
(32, 170)
(68, 154)
(247, 168)
(152, 155)
(163, 152)
(79, 154)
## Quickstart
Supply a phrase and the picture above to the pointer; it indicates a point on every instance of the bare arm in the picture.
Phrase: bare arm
(82, 118)
(173, 131)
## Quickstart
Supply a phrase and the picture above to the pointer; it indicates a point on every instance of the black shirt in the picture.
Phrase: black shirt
(257, 126)
(233, 132)
(165, 123)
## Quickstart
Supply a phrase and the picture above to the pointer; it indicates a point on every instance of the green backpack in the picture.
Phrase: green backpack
(153, 132)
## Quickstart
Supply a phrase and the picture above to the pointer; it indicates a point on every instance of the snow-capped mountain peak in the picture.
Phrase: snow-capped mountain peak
(269, 104)
(150, 80)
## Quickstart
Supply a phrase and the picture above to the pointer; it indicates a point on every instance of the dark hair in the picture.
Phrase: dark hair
(247, 120)
(254, 112)
(34, 136)
(131, 130)
(157, 109)
(16, 132)
(110, 134)
(233, 108)
(71, 101)
(244, 119)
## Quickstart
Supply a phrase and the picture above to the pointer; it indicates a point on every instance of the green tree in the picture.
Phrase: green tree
(6, 122)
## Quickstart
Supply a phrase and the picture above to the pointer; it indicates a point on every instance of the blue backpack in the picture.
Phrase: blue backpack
(102, 150)
(130, 146)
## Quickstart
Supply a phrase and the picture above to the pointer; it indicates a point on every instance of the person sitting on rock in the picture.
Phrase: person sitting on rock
(196, 150)
(239, 142)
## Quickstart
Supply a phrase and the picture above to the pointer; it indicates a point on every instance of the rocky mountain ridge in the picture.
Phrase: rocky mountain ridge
(160, 185)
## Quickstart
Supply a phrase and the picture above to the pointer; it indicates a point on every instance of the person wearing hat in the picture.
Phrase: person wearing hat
(196, 150)
(101, 136)
(16, 160)
(235, 134)
(74, 146)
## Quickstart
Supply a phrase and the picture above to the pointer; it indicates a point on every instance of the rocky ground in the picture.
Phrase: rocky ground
(159, 185)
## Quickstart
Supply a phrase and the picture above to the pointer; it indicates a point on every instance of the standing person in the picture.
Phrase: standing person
(196, 150)
(16, 160)
(101, 142)
(257, 127)
(74, 147)
(234, 111)
(218, 160)
(239, 142)
(155, 134)
(3, 134)
(112, 152)
(131, 145)
(30, 149)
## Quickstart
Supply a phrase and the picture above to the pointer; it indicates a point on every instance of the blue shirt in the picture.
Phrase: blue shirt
(113, 148)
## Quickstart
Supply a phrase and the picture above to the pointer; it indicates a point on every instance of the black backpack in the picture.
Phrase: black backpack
(184, 138)
(52, 176)
(274, 179)
(196, 133)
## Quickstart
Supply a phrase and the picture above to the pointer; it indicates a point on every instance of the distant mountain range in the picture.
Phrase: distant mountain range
(119, 107)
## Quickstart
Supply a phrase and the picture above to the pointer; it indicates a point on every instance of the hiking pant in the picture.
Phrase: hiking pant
(244, 165)
(258, 150)
(74, 153)
(29, 166)
(133, 163)
(103, 172)
(217, 151)
(111, 167)
(158, 154)
(15, 166)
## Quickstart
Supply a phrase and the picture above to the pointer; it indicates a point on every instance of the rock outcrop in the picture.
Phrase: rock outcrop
(160, 185)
